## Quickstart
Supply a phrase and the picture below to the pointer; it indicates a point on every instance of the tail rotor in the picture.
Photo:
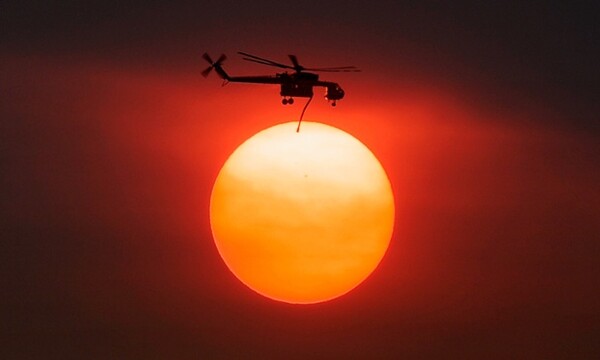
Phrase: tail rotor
(212, 63)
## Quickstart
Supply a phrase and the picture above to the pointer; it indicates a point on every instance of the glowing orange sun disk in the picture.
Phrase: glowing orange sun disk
(302, 217)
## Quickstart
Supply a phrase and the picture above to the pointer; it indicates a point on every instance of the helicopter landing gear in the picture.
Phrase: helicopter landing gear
(285, 101)
(290, 101)
(333, 103)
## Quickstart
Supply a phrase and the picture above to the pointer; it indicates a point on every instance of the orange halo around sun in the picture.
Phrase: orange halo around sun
(302, 217)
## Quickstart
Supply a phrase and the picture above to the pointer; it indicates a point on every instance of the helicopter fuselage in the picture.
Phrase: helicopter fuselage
(294, 84)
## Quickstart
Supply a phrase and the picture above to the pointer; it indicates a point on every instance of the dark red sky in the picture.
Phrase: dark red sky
(485, 117)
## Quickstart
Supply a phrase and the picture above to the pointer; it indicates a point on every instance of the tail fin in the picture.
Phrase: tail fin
(215, 65)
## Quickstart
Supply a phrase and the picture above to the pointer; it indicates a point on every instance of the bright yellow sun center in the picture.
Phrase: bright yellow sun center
(302, 217)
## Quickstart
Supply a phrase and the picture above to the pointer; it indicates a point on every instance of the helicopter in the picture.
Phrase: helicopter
(299, 83)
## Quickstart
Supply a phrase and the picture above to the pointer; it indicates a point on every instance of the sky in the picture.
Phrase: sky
(485, 117)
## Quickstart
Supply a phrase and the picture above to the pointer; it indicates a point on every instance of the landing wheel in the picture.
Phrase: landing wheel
(290, 101)
(284, 101)
(333, 103)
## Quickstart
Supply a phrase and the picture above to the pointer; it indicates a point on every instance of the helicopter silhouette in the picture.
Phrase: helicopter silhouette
(299, 83)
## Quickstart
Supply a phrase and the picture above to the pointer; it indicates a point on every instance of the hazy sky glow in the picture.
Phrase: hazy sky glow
(485, 118)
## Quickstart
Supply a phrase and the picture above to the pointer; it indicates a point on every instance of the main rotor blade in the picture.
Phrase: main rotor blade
(297, 65)
(268, 63)
(334, 70)
(264, 61)
(254, 56)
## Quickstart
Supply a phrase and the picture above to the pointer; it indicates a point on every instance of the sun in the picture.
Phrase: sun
(302, 217)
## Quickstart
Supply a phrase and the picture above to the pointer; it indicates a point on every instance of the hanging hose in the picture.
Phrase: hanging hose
(303, 111)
